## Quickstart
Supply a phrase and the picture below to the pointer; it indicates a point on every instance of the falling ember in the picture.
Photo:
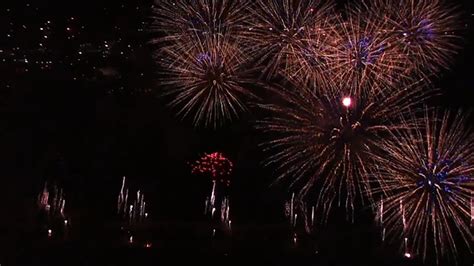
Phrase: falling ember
(407, 255)
(65, 222)
(50, 232)
(130, 240)
(148, 245)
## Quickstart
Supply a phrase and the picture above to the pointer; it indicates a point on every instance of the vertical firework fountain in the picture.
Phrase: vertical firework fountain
(131, 208)
(300, 216)
(217, 204)
(51, 204)
(379, 212)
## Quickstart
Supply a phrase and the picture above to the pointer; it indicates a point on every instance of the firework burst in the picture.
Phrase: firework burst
(427, 176)
(363, 53)
(207, 78)
(214, 164)
(324, 141)
(426, 32)
(287, 34)
(185, 20)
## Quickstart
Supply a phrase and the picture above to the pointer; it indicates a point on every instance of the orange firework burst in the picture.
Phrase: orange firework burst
(324, 141)
(206, 78)
(363, 53)
(183, 20)
(427, 176)
(426, 32)
(282, 33)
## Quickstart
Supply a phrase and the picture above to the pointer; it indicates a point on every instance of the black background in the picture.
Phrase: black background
(86, 130)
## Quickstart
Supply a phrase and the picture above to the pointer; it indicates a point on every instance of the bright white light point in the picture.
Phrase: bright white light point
(407, 255)
(346, 101)
(65, 222)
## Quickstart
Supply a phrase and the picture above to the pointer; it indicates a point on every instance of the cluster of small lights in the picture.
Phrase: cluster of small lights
(214, 164)
(31, 42)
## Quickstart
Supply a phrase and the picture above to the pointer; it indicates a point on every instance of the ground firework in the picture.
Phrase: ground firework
(427, 175)
(207, 78)
(282, 33)
(324, 141)
(219, 168)
(426, 32)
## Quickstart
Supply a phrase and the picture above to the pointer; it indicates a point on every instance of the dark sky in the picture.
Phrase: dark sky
(83, 111)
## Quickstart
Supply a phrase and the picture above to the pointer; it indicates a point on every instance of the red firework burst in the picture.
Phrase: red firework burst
(214, 164)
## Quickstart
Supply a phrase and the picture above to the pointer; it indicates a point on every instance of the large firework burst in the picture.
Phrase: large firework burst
(426, 32)
(206, 77)
(427, 176)
(324, 141)
(363, 54)
(284, 33)
(185, 20)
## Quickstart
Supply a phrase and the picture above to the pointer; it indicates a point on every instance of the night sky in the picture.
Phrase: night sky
(79, 106)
